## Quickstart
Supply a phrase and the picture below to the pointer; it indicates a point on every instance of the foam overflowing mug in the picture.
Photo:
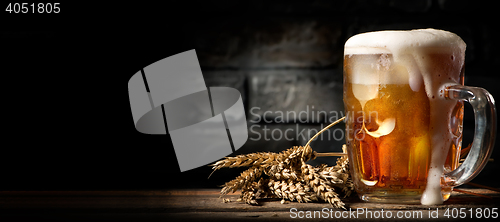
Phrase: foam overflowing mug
(403, 95)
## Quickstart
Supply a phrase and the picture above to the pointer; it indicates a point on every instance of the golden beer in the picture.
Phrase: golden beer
(389, 121)
(398, 161)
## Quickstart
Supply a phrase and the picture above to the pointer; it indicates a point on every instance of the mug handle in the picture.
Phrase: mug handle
(484, 134)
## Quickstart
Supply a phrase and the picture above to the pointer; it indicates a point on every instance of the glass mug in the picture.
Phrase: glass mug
(403, 95)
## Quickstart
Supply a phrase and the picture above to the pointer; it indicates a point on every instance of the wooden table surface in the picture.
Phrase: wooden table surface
(205, 205)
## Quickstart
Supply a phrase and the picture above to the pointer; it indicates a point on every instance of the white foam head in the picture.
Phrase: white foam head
(408, 49)
(399, 41)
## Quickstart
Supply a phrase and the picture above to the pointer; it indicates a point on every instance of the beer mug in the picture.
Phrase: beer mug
(403, 95)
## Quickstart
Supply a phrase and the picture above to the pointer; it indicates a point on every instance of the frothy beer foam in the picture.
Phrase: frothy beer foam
(400, 41)
(412, 54)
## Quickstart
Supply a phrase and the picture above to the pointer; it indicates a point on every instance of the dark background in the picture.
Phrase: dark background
(66, 116)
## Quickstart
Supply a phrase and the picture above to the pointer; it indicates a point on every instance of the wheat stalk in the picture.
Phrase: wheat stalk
(299, 153)
(244, 179)
(256, 190)
(253, 159)
(288, 176)
(321, 186)
(292, 190)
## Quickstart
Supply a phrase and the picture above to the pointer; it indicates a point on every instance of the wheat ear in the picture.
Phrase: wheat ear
(290, 177)
(244, 179)
(321, 187)
(292, 190)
